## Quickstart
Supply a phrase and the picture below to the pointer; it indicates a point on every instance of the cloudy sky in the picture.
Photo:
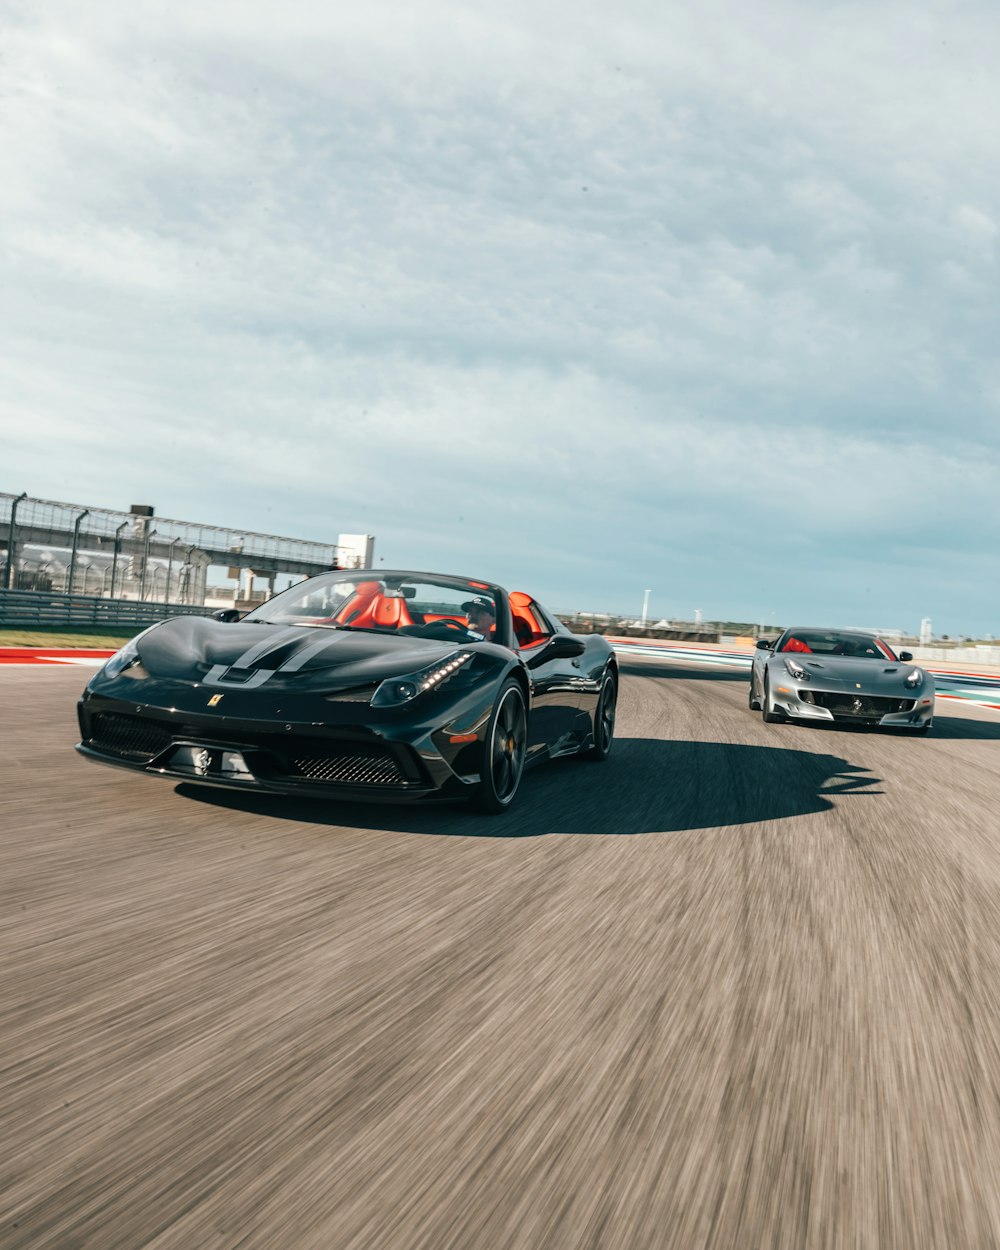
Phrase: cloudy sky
(582, 298)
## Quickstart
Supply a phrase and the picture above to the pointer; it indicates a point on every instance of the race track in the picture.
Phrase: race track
(739, 987)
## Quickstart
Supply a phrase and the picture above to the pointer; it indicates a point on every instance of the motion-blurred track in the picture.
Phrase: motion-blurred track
(736, 988)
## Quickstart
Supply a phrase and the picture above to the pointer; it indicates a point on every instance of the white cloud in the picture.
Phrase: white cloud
(671, 272)
(979, 226)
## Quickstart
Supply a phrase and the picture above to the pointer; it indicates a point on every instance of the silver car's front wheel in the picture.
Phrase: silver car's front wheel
(769, 713)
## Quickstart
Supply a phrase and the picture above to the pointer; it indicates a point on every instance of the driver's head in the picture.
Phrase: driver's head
(481, 614)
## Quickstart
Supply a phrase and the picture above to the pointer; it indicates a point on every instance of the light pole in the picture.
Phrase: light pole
(170, 564)
(145, 565)
(645, 605)
(114, 561)
(12, 538)
(182, 592)
(72, 558)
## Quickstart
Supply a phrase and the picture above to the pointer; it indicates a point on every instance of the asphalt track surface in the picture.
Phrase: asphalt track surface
(738, 987)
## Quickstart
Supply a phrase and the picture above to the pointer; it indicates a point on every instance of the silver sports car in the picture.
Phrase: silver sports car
(849, 676)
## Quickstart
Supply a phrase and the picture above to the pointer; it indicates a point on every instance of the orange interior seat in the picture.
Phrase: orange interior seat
(526, 627)
(381, 612)
(357, 604)
(390, 613)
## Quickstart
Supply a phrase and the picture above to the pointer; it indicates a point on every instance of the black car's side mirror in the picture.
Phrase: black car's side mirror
(765, 644)
(558, 647)
(906, 655)
(227, 614)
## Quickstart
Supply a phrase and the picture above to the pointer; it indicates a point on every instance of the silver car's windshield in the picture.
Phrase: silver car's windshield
(831, 642)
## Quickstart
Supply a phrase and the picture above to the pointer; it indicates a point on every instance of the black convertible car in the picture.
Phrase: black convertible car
(362, 684)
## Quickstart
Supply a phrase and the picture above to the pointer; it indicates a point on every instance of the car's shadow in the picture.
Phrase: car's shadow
(949, 726)
(943, 727)
(647, 786)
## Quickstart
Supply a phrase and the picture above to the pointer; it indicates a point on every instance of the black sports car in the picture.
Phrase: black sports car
(362, 684)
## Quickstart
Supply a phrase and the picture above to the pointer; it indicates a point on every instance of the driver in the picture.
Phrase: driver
(482, 615)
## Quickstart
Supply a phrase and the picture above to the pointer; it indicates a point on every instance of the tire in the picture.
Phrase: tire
(503, 750)
(924, 730)
(753, 703)
(604, 719)
(768, 714)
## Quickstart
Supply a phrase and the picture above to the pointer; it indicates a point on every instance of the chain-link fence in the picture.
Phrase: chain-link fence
(46, 544)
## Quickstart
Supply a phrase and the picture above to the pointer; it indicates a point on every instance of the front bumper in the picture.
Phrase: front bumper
(855, 707)
(349, 761)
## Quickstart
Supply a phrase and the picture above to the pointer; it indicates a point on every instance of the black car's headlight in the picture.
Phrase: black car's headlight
(914, 679)
(795, 669)
(395, 691)
(126, 661)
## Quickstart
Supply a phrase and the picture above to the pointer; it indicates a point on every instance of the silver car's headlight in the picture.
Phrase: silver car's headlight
(796, 670)
(395, 691)
(915, 678)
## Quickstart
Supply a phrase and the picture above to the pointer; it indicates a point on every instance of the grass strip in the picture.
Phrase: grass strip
(59, 638)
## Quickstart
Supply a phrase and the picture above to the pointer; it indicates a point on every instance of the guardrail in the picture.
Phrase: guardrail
(19, 608)
(587, 625)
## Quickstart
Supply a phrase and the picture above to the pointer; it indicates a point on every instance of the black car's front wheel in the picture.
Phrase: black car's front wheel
(604, 719)
(503, 751)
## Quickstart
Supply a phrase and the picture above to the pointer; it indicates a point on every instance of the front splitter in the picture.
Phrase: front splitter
(324, 790)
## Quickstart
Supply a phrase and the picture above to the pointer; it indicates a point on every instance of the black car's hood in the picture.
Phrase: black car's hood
(191, 648)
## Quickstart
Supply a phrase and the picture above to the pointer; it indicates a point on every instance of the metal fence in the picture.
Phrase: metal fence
(58, 517)
(49, 545)
(33, 608)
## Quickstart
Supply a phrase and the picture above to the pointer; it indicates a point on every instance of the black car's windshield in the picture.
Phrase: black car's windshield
(833, 642)
(416, 604)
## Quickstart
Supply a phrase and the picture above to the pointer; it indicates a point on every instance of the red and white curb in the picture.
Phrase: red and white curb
(84, 656)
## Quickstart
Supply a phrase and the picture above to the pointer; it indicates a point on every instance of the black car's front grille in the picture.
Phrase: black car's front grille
(302, 759)
(354, 766)
(131, 737)
(857, 707)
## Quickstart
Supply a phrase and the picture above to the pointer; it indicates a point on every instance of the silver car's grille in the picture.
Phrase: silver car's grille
(859, 706)
(130, 737)
(354, 766)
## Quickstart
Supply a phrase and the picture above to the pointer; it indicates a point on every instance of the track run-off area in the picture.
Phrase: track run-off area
(737, 987)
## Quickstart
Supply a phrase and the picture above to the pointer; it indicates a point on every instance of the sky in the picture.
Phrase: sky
(584, 299)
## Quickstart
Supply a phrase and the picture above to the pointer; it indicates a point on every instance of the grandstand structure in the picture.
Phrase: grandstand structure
(50, 545)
